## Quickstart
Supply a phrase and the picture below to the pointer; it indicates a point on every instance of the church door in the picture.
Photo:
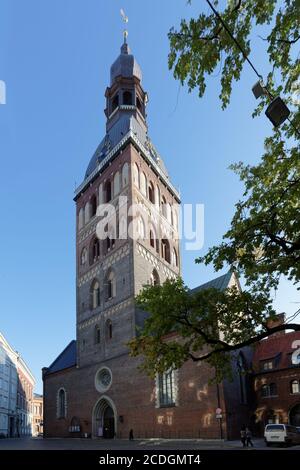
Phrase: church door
(108, 423)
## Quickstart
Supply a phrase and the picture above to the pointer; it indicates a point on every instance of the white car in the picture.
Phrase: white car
(283, 434)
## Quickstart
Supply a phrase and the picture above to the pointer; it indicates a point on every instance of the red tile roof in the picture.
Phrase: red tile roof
(273, 346)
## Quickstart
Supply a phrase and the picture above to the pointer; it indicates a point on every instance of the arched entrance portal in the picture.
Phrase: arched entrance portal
(294, 417)
(104, 419)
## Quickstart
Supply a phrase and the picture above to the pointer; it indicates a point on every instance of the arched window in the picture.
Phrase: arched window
(152, 239)
(175, 218)
(81, 218)
(242, 378)
(110, 285)
(169, 213)
(123, 228)
(115, 102)
(143, 184)
(139, 104)
(164, 206)
(127, 97)
(61, 403)
(83, 256)
(107, 191)
(174, 258)
(295, 386)
(97, 334)
(125, 172)
(108, 329)
(151, 193)
(87, 213)
(136, 175)
(110, 241)
(141, 228)
(165, 250)
(93, 204)
(116, 183)
(95, 294)
(154, 279)
(94, 250)
(157, 197)
(101, 199)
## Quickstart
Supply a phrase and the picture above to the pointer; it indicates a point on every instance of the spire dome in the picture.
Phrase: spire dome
(125, 65)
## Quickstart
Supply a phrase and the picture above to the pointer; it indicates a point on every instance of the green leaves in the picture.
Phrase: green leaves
(263, 241)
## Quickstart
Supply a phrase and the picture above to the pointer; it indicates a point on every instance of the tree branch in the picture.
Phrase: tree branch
(248, 342)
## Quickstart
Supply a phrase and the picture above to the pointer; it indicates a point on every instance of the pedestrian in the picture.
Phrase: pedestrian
(243, 436)
(248, 438)
(131, 435)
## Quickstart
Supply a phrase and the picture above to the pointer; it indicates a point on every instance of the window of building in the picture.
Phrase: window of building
(83, 256)
(81, 218)
(241, 367)
(95, 294)
(97, 334)
(165, 250)
(269, 390)
(154, 280)
(115, 102)
(95, 250)
(93, 205)
(87, 213)
(136, 175)
(116, 183)
(143, 183)
(109, 329)
(139, 104)
(166, 388)
(164, 206)
(151, 193)
(152, 239)
(111, 286)
(61, 403)
(141, 228)
(295, 386)
(127, 98)
(174, 257)
(267, 365)
(107, 191)
(125, 175)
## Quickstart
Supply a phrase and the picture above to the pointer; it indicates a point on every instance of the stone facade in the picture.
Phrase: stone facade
(37, 415)
(16, 393)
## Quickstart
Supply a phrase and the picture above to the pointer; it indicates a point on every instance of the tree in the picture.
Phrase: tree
(263, 241)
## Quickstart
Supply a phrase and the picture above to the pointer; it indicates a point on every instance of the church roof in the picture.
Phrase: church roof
(123, 125)
(66, 359)
(220, 283)
(125, 65)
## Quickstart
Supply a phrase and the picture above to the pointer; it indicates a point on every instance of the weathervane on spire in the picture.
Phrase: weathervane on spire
(125, 19)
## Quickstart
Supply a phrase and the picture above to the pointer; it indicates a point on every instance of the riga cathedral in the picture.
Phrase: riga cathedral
(94, 388)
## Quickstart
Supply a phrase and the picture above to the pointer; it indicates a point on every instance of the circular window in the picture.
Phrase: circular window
(103, 379)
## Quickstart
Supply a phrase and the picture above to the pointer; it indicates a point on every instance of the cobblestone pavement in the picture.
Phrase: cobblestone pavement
(119, 444)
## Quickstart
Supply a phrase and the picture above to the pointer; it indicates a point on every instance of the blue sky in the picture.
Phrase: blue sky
(55, 59)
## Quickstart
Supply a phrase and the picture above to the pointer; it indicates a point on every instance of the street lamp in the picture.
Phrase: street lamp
(277, 111)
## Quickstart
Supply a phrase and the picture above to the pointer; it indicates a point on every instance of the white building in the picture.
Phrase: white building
(16, 392)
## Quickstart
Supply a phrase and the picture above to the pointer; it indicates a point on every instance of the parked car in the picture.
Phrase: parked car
(283, 434)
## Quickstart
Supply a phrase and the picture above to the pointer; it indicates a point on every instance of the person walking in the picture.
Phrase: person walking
(243, 436)
(131, 435)
(248, 438)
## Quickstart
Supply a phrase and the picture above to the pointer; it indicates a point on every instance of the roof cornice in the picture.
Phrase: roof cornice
(145, 153)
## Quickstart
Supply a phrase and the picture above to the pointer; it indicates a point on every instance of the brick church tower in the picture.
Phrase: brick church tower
(140, 243)
(93, 387)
